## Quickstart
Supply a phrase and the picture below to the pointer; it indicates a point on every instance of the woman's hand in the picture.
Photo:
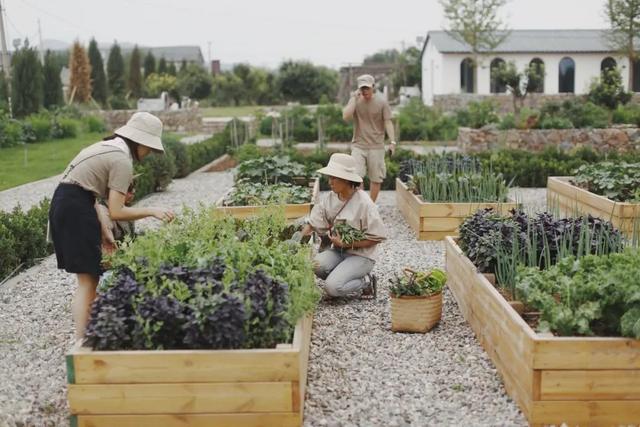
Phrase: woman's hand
(163, 214)
(337, 241)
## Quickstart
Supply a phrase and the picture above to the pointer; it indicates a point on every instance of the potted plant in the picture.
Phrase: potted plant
(416, 300)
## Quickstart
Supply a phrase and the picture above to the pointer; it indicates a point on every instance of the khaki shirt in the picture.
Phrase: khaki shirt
(360, 213)
(100, 168)
(368, 122)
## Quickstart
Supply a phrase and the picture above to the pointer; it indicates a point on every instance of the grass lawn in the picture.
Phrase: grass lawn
(44, 159)
(246, 110)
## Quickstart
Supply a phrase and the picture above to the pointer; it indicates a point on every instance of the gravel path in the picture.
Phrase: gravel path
(27, 195)
(36, 328)
(359, 373)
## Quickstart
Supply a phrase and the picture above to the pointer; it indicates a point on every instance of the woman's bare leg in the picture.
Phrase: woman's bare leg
(84, 296)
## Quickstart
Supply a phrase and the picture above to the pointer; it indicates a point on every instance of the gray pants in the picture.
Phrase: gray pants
(343, 272)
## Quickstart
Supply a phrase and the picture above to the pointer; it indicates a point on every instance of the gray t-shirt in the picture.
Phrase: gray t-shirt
(99, 168)
(368, 122)
(360, 213)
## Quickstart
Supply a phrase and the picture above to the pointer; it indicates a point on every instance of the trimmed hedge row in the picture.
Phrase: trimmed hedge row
(23, 237)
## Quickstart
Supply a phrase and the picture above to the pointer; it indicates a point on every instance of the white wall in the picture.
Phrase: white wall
(446, 71)
(431, 74)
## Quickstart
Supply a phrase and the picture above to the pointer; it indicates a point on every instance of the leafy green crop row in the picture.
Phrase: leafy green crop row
(203, 282)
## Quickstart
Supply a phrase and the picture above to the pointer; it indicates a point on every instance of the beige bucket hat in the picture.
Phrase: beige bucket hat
(366, 80)
(341, 166)
(145, 129)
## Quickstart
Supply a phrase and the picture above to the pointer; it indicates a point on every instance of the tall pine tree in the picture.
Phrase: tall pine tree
(26, 82)
(80, 80)
(162, 66)
(115, 72)
(171, 69)
(149, 64)
(98, 78)
(52, 83)
(135, 74)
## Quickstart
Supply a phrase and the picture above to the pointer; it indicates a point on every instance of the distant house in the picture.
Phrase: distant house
(571, 59)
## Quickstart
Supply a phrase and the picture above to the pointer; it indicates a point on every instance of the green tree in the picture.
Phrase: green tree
(608, 90)
(624, 20)
(171, 69)
(475, 23)
(134, 82)
(115, 72)
(149, 64)
(162, 66)
(26, 82)
(80, 70)
(388, 56)
(518, 83)
(158, 83)
(98, 78)
(194, 82)
(226, 89)
(52, 84)
(183, 65)
(4, 93)
(303, 82)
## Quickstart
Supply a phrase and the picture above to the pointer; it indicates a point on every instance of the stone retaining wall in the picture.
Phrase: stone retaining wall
(621, 139)
(187, 120)
(504, 102)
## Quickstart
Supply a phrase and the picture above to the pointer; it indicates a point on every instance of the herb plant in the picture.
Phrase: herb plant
(618, 181)
(348, 234)
(246, 193)
(205, 281)
(271, 170)
(593, 295)
(457, 179)
(418, 284)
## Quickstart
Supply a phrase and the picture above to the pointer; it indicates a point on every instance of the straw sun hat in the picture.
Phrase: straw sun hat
(341, 166)
(144, 129)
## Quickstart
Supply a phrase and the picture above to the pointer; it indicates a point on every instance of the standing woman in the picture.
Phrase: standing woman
(104, 170)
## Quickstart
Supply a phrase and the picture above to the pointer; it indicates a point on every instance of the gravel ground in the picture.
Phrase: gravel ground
(35, 317)
(27, 195)
(359, 373)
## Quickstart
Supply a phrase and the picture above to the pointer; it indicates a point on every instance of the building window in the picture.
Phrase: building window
(537, 65)
(467, 75)
(608, 63)
(567, 76)
(635, 87)
(497, 85)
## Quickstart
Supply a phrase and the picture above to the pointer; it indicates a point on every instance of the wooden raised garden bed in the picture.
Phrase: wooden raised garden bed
(292, 211)
(573, 380)
(264, 387)
(435, 221)
(571, 200)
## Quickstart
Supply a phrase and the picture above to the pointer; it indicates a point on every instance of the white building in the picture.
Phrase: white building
(571, 58)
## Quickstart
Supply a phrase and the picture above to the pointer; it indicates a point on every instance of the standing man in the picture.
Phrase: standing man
(371, 116)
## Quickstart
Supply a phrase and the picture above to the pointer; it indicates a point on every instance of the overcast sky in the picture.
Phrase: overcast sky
(329, 32)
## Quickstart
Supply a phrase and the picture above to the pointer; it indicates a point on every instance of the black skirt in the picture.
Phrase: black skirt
(75, 230)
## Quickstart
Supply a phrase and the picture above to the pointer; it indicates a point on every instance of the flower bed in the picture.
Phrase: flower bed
(267, 181)
(205, 320)
(570, 199)
(435, 221)
(440, 191)
(554, 380)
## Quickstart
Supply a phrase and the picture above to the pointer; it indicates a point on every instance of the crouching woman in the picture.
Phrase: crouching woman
(346, 267)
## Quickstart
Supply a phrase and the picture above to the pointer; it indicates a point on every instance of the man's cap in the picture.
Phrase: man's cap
(366, 80)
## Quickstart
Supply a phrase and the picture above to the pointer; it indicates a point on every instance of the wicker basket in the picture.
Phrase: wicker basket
(415, 313)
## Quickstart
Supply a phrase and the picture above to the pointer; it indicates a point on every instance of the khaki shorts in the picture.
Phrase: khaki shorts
(370, 163)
